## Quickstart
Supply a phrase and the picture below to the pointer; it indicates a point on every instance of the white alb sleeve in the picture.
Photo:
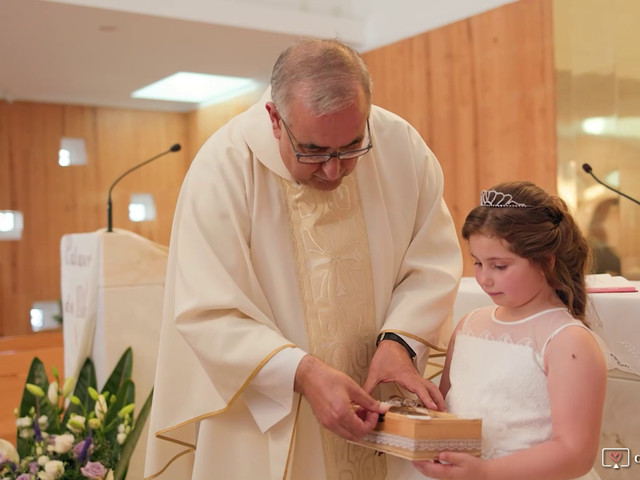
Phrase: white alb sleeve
(269, 396)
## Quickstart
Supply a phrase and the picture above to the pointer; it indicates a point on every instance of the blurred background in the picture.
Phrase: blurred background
(500, 90)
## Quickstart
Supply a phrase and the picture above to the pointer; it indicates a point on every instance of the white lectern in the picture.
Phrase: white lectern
(112, 292)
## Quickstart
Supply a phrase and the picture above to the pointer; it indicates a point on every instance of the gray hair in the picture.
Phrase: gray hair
(324, 74)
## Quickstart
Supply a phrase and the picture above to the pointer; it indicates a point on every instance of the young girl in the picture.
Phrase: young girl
(528, 366)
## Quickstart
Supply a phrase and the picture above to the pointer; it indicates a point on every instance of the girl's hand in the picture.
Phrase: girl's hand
(456, 466)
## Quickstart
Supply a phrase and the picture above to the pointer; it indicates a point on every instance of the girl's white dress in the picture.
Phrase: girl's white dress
(497, 374)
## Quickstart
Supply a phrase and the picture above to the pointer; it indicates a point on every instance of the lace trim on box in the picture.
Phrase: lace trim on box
(450, 444)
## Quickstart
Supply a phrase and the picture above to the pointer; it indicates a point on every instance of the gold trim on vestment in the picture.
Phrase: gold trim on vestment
(335, 282)
(160, 434)
(173, 459)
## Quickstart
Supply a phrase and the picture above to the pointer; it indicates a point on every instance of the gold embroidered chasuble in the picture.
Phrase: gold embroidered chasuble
(336, 288)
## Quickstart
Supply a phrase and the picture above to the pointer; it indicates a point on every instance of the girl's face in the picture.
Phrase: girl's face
(512, 282)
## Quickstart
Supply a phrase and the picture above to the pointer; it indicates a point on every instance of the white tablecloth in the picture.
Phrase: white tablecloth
(615, 317)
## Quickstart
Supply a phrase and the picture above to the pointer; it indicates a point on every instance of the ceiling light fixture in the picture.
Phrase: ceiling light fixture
(195, 88)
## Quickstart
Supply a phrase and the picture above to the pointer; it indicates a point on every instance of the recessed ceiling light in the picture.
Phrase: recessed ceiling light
(195, 88)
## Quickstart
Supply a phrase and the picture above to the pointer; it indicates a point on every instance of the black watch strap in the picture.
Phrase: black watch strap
(396, 338)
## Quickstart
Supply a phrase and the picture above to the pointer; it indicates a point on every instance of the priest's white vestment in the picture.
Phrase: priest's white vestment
(242, 268)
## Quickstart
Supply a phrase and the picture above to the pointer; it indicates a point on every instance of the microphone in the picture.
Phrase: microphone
(174, 148)
(587, 168)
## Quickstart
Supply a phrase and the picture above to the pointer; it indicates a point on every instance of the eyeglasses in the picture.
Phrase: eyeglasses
(311, 158)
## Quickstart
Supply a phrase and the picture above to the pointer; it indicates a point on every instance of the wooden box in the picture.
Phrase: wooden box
(419, 434)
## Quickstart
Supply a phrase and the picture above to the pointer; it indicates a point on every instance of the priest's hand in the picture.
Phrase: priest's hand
(338, 402)
(390, 363)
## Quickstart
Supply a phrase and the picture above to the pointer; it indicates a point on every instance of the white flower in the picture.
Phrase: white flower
(52, 393)
(9, 451)
(53, 469)
(121, 437)
(67, 386)
(101, 407)
(27, 433)
(63, 443)
(43, 421)
(42, 460)
(76, 423)
(24, 422)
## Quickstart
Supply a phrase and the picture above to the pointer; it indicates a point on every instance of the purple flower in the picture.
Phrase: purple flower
(83, 449)
(34, 467)
(94, 471)
(25, 476)
(38, 433)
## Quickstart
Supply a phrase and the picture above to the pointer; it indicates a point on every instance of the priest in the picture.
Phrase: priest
(312, 259)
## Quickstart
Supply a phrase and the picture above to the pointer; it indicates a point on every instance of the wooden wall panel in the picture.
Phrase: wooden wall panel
(203, 122)
(6, 192)
(127, 138)
(481, 92)
(56, 200)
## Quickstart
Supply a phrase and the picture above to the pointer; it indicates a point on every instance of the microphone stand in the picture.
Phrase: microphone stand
(587, 168)
(174, 148)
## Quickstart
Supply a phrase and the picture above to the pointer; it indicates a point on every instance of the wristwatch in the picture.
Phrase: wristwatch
(396, 338)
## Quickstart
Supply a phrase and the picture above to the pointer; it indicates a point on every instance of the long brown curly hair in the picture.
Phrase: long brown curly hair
(545, 233)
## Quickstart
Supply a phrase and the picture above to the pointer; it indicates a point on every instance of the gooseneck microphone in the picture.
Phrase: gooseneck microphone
(174, 148)
(587, 168)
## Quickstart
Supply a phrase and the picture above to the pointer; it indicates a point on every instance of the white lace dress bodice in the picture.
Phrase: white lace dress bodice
(497, 373)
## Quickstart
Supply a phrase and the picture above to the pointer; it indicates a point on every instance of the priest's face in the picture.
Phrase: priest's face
(306, 134)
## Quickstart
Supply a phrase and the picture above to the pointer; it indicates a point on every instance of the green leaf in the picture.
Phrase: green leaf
(132, 439)
(37, 376)
(86, 379)
(121, 372)
(124, 396)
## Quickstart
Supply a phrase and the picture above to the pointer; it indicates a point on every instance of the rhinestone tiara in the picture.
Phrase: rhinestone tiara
(493, 198)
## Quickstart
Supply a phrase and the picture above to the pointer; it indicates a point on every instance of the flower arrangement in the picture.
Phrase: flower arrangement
(79, 435)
